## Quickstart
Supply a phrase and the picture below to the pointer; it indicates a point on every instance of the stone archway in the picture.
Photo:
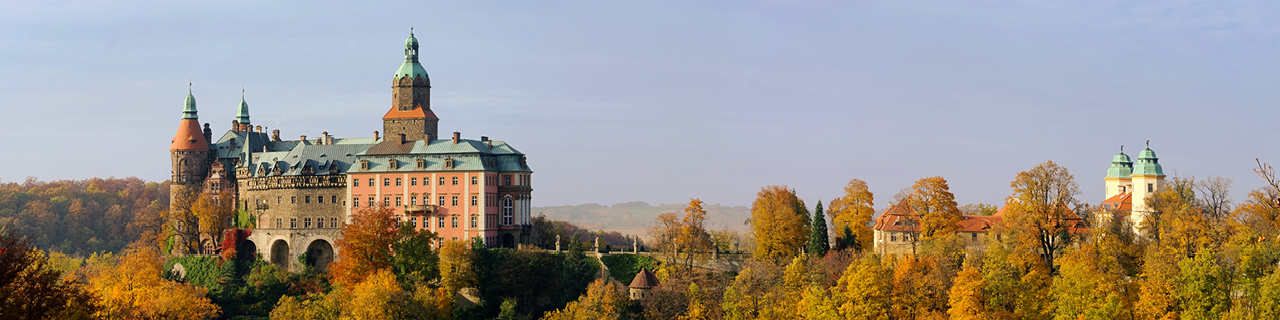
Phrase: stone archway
(280, 254)
(508, 241)
(319, 255)
(247, 251)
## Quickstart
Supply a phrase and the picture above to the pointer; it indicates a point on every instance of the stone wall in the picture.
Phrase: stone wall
(287, 202)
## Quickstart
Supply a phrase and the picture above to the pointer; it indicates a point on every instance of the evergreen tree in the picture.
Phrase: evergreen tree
(818, 243)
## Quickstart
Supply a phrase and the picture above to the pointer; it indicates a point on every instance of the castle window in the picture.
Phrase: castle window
(441, 224)
(386, 182)
(306, 199)
(474, 220)
(506, 180)
(333, 223)
(364, 164)
(333, 199)
(386, 201)
(319, 199)
(306, 223)
(413, 201)
(1151, 187)
(455, 221)
(441, 202)
(355, 202)
(398, 182)
(279, 224)
(455, 201)
(398, 201)
(293, 199)
(448, 163)
(508, 210)
(475, 180)
(371, 182)
(355, 182)
(475, 200)
(893, 237)
(413, 181)
(422, 163)
(277, 200)
(393, 164)
(293, 223)
(455, 181)
(442, 181)
(372, 202)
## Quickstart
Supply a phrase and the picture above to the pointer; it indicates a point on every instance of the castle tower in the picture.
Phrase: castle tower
(410, 112)
(1147, 177)
(242, 116)
(189, 156)
(1119, 180)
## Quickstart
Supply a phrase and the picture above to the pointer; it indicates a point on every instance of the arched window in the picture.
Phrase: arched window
(508, 210)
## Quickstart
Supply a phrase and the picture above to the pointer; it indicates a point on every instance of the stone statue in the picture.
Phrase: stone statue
(635, 245)
(597, 244)
(557, 243)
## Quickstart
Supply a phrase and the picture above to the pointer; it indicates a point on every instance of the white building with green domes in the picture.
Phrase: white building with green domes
(1129, 183)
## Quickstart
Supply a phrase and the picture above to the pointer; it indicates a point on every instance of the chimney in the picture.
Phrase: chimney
(488, 143)
(258, 129)
(235, 126)
(426, 139)
(484, 138)
(275, 135)
(456, 136)
(401, 138)
(208, 133)
(304, 138)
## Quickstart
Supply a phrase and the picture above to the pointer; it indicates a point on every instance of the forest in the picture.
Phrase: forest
(1196, 255)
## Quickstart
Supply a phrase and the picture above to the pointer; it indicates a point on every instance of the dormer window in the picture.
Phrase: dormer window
(448, 163)
(364, 164)
(393, 164)
(422, 164)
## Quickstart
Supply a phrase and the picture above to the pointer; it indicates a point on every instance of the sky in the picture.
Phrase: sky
(662, 101)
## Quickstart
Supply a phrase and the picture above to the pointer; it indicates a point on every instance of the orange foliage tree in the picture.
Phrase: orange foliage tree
(1040, 216)
(932, 199)
(365, 245)
(854, 211)
(603, 300)
(133, 289)
(779, 224)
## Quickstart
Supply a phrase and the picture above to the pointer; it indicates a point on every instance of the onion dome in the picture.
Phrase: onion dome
(1121, 166)
(411, 68)
(1148, 163)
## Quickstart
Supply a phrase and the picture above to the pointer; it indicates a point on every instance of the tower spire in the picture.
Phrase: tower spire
(242, 115)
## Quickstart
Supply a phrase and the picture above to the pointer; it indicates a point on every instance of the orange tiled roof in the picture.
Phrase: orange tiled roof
(189, 137)
(417, 112)
(899, 217)
(1119, 202)
(645, 279)
(979, 223)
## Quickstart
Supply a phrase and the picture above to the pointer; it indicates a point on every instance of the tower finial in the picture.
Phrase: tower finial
(1122, 148)
(1148, 144)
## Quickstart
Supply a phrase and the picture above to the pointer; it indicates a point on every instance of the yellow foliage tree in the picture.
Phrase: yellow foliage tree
(939, 213)
(854, 211)
(863, 291)
(133, 289)
(1040, 215)
(377, 297)
(603, 300)
(211, 211)
(778, 224)
(457, 270)
(694, 241)
(918, 291)
(966, 298)
(696, 310)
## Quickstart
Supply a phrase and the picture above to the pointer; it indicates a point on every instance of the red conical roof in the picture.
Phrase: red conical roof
(189, 137)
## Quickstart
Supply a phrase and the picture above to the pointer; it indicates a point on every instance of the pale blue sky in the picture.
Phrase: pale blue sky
(662, 101)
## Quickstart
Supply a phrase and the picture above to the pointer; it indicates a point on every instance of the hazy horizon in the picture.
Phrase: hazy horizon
(665, 101)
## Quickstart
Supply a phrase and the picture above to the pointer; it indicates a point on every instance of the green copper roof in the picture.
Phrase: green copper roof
(1121, 166)
(189, 108)
(411, 68)
(242, 116)
(1148, 163)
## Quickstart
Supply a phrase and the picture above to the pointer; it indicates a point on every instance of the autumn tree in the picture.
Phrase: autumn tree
(1040, 214)
(183, 226)
(211, 211)
(1091, 285)
(853, 211)
(133, 288)
(457, 266)
(693, 240)
(665, 233)
(919, 289)
(1176, 221)
(31, 287)
(778, 224)
(966, 298)
(365, 245)
(939, 214)
(819, 238)
(697, 310)
(863, 292)
(414, 259)
(603, 300)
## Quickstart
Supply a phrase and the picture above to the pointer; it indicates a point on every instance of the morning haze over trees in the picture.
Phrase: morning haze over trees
(96, 249)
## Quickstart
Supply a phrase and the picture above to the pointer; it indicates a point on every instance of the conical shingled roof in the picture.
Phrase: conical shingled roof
(645, 279)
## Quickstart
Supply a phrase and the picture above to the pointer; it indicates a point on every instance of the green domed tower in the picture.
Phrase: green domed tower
(1118, 176)
(1148, 178)
(410, 113)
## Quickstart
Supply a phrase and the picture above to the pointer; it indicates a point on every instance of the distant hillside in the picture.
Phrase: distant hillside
(641, 214)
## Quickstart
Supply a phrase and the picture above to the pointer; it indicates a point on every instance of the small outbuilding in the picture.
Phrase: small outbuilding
(645, 280)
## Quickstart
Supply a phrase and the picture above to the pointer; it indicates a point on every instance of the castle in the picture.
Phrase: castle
(301, 192)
